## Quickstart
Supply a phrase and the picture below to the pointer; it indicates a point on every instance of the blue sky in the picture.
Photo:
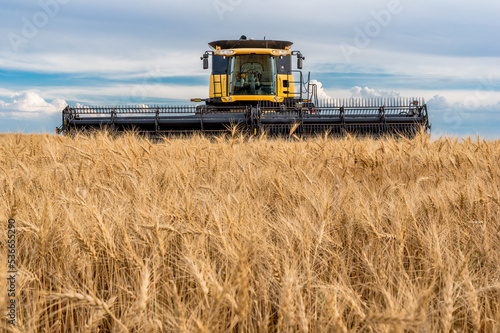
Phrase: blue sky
(58, 52)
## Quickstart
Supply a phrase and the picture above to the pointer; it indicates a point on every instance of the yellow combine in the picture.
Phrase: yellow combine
(254, 86)
(246, 71)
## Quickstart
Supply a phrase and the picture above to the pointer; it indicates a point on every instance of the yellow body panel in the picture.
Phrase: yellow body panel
(274, 52)
(218, 89)
(218, 86)
(219, 83)
(282, 90)
(245, 98)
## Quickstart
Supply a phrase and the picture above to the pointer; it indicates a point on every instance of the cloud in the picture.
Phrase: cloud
(472, 104)
(321, 92)
(29, 104)
(157, 62)
(102, 37)
(366, 92)
(467, 117)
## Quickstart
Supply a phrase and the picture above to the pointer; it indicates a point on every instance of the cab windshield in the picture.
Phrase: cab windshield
(252, 74)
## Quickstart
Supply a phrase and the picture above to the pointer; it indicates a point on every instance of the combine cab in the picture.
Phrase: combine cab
(253, 85)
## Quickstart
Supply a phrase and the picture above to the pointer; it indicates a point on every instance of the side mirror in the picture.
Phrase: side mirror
(299, 60)
(205, 60)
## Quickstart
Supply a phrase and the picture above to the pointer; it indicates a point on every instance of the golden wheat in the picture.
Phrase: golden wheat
(252, 234)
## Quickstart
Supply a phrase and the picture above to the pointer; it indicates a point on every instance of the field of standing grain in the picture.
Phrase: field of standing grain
(241, 234)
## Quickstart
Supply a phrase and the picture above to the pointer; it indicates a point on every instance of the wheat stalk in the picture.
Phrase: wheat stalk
(85, 299)
(237, 233)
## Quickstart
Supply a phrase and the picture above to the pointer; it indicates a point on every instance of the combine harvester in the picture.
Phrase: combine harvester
(253, 86)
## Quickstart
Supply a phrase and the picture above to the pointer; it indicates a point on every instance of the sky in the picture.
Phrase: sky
(59, 52)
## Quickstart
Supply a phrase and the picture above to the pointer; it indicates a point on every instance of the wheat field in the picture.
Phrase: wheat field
(251, 234)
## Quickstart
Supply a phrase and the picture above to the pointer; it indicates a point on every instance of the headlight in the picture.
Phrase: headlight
(281, 52)
(224, 52)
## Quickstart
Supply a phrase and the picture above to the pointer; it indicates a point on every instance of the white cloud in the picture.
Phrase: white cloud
(366, 92)
(468, 116)
(29, 104)
(321, 92)
(468, 105)
(156, 63)
(112, 94)
(399, 62)
(128, 93)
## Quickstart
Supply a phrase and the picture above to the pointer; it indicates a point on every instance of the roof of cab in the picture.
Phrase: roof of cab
(250, 44)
